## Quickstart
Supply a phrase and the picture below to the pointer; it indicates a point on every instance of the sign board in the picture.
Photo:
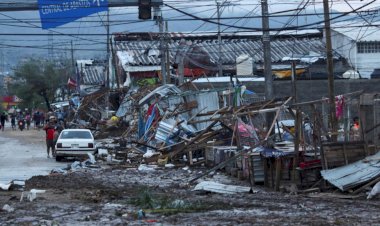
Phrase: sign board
(54, 13)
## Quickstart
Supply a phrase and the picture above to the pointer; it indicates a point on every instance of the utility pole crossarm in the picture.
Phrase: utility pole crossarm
(22, 6)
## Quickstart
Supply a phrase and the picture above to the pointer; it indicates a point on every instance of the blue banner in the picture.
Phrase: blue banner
(54, 13)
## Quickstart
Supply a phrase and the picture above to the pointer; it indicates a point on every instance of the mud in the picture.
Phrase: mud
(113, 195)
(108, 197)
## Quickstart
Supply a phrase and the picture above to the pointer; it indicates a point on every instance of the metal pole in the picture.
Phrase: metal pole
(294, 73)
(220, 69)
(73, 71)
(330, 70)
(267, 51)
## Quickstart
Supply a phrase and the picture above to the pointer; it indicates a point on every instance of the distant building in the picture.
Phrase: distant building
(91, 75)
(359, 43)
(137, 55)
(9, 102)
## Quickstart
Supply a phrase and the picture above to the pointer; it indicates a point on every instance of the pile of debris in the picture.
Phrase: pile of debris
(232, 128)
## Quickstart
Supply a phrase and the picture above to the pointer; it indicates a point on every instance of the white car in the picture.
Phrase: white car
(74, 143)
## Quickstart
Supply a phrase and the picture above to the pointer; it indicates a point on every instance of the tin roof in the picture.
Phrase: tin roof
(352, 175)
(92, 72)
(92, 75)
(143, 50)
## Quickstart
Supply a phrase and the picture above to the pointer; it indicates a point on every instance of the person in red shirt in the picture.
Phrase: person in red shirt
(50, 129)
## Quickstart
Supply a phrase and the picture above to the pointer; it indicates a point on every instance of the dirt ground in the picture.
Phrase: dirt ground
(115, 194)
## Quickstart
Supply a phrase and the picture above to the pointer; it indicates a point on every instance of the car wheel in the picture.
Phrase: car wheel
(58, 158)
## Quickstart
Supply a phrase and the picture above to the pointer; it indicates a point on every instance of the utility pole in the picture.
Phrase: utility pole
(330, 70)
(107, 98)
(108, 52)
(294, 74)
(73, 71)
(220, 69)
(162, 46)
(167, 54)
(51, 46)
(267, 51)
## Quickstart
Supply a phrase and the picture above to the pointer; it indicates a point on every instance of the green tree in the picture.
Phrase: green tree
(36, 81)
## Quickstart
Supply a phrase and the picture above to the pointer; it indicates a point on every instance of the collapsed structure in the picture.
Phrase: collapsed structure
(228, 127)
(270, 142)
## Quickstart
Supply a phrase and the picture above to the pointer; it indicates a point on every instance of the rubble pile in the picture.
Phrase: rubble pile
(273, 142)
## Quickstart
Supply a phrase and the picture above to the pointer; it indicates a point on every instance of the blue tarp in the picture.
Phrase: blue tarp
(54, 13)
(273, 153)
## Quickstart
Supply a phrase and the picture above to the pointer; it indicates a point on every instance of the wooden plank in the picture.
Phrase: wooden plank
(366, 185)
(278, 173)
(273, 123)
(193, 140)
(191, 158)
(266, 181)
(219, 166)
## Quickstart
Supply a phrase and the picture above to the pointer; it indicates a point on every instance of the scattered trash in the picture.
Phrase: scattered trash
(58, 170)
(31, 195)
(178, 203)
(91, 158)
(144, 167)
(149, 153)
(8, 208)
(75, 165)
(102, 152)
(140, 214)
(5, 187)
(221, 188)
(375, 190)
(169, 165)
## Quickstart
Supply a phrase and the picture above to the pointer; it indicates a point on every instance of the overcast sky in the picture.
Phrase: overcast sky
(15, 26)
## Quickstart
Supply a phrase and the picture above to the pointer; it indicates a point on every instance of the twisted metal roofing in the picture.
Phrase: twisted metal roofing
(93, 75)
(143, 52)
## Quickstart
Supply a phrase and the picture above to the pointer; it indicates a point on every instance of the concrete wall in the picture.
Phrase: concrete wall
(365, 63)
(309, 89)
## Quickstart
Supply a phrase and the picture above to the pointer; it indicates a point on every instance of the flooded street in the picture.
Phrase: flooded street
(23, 155)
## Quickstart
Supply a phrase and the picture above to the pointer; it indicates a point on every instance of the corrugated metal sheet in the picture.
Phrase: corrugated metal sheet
(140, 51)
(93, 75)
(163, 91)
(221, 188)
(125, 106)
(206, 102)
(354, 174)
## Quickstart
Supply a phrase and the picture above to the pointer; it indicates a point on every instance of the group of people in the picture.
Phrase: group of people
(15, 117)
(53, 126)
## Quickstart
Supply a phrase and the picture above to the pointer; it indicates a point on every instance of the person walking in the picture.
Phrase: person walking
(13, 121)
(3, 118)
(50, 129)
(27, 120)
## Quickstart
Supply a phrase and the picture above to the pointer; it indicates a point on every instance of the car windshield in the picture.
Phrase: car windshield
(75, 134)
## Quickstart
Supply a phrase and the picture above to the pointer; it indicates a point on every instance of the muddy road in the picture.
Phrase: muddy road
(114, 194)
(23, 155)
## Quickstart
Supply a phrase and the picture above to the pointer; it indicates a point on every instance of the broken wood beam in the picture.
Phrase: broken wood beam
(219, 166)
(366, 186)
(194, 139)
